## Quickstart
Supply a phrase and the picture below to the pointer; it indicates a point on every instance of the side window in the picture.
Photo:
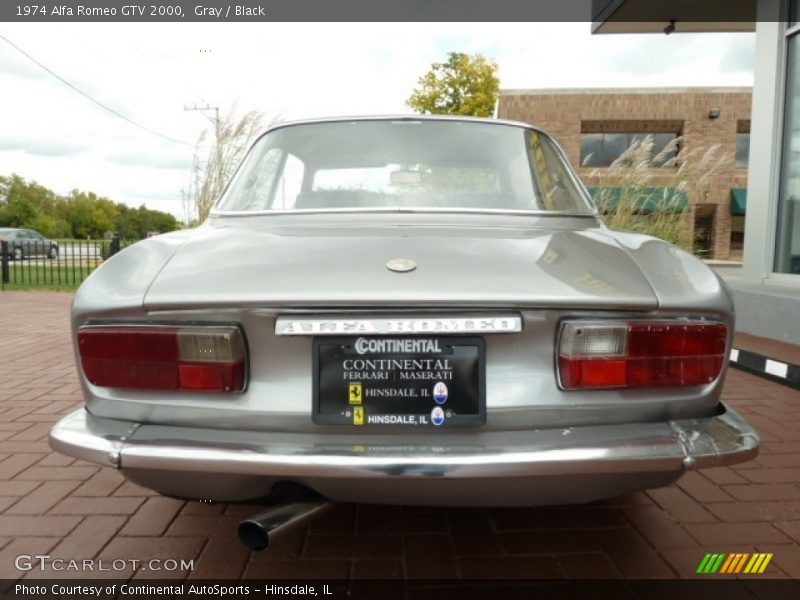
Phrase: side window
(259, 181)
(742, 156)
(290, 184)
(554, 185)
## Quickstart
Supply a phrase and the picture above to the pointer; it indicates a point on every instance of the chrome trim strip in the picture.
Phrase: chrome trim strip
(406, 210)
(674, 447)
(421, 325)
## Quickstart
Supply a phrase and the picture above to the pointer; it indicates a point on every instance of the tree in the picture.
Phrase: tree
(464, 85)
(213, 165)
(81, 214)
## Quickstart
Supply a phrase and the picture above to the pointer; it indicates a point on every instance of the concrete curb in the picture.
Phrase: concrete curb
(768, 368)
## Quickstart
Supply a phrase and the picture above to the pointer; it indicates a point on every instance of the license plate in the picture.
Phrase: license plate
(429, 382)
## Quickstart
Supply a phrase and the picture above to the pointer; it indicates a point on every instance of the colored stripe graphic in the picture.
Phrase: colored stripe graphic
(740, 563)
(727, 564)
(717, 564)
(713, 566)
(767, 558)
(753, 562)
(734, 563)
(703, 563)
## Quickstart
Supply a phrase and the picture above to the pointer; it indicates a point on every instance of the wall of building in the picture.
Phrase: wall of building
(566, 113)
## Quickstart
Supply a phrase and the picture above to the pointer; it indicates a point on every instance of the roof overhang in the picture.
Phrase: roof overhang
(653, 16)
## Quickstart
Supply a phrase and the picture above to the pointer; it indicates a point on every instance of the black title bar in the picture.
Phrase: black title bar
(371, 10)
(292, 10)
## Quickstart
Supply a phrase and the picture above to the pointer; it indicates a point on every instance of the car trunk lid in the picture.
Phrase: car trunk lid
(478, 261)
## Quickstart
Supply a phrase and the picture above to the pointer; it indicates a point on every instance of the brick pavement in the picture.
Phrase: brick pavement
(70, 509)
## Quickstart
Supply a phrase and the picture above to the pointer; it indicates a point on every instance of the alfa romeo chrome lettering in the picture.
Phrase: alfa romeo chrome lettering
(402, 325)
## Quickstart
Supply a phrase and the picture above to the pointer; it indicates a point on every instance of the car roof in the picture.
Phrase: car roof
(401, 117)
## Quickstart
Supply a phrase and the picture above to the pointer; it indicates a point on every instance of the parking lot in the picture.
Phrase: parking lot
(55, 505)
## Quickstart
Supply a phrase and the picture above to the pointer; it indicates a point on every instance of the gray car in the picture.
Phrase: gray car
(27, 243)
(418, 310)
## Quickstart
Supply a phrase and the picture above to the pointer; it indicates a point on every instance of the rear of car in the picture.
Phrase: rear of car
(421, 311)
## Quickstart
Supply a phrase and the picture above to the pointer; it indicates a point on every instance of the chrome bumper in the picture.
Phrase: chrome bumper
(674, 446)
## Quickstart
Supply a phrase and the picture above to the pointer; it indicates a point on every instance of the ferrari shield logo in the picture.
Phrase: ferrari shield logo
(358, 416)
(355, 393)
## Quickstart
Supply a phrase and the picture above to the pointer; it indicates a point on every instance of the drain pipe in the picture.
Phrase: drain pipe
(255, 532)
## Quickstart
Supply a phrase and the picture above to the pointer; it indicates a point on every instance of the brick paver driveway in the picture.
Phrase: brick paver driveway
(69, 509)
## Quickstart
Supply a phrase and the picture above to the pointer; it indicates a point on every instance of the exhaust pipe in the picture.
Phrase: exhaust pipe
(256, 531)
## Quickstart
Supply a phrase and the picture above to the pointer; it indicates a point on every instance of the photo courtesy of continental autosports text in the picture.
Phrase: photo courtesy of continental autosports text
(215, 590)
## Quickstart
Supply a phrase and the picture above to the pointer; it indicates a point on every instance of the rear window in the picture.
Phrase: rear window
(404, 164)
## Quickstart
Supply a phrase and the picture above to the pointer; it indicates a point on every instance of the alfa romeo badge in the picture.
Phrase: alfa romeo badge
(401, 265)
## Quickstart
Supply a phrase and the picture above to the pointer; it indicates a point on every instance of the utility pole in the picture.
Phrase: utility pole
(205, 108)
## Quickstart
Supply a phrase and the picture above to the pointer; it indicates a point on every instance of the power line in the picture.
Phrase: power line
(87, 96)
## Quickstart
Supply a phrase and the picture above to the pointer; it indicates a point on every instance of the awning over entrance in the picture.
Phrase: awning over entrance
(655, 16)
(649, 199)
(738, 201)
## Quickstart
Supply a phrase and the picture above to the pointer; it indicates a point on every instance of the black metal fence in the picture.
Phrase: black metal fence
(52, 264)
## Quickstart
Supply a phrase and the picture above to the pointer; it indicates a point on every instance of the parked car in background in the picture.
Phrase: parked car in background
(26, 243)
(418, 310)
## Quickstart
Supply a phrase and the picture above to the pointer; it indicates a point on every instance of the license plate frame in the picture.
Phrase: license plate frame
(464, 402)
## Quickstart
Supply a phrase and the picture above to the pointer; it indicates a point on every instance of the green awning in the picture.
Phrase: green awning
(648, 199)
(738, 201)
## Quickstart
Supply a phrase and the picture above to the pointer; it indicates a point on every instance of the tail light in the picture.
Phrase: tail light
(635, 354)
(195, 358)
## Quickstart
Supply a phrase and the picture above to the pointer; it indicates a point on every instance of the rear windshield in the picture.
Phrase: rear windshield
(405, 164)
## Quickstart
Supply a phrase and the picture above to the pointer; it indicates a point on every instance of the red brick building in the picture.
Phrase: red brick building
(594, 126)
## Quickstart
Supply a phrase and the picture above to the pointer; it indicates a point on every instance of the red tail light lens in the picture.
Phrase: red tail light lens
(208, 359)
(634, 354)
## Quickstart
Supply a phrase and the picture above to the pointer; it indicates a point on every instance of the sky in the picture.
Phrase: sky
(149, 73)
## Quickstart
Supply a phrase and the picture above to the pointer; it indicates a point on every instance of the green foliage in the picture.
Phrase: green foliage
(668, 220)
(78, 215)
(464, 85)
(50, 226)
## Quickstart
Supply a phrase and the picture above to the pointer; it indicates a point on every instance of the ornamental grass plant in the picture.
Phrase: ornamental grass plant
(649, 193)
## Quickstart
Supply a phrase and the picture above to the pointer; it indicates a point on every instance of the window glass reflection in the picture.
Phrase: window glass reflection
(787, 255)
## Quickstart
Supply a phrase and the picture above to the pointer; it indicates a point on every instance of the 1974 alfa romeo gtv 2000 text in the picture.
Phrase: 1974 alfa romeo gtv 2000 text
(404, 310)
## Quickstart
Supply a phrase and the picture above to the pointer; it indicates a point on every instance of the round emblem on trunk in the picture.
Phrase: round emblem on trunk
(401, 265)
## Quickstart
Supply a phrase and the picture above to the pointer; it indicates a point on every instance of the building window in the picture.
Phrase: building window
(742, 149)
(787, 249)
(602, 149)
